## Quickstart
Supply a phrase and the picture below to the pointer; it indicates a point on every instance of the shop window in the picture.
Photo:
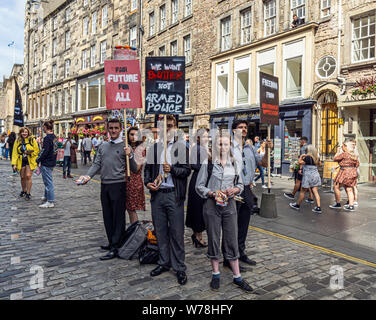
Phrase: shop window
(294, 77)
(293, 132)
(82, 96)
(242, 93)
(93, 94)
(329, 129)
(103, 93)
(268, 69)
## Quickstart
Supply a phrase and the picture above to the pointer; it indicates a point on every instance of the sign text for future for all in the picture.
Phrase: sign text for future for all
(121, 78)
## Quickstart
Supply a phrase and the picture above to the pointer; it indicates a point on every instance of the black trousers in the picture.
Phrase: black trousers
(113, 198)
(87, 155)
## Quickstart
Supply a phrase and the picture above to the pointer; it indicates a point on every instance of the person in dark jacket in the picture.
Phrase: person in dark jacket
(167, 182)
(195, 218)
(11, 140)
(47, 160)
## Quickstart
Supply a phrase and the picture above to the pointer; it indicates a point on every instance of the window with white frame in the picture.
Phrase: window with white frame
(60, 102)
(162, 17)
(85, 26)
(103, 51)
(246, 26)
(242, 83)
(91, 94)
(266, 61)
(67, 67)
(104, 16)
(293, 54)
(174, 48)
(92, 56)
(94, 22)
(187, 94)
(84, 59)
(226, 33)
(67, 39)
(174, 11)
(222, 71)
(54, 47)
(325, 8)
(270, 15)
(54, 23)
(363, 38)
(188, 8)
(66, 101)
(133, 5)
(44, 31)
(133, 37)
(44, 53)
(298, 7)
(54, 73)
(162, 51)
(151, 24)
(67, 14)
(44, 77)
(187, 48)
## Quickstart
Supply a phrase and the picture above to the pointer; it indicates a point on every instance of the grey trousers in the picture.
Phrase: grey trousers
(221, 219)
(168, 220)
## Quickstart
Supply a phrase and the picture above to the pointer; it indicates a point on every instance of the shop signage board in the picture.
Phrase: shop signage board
(269, 99)
(165, 85)
(123, 84)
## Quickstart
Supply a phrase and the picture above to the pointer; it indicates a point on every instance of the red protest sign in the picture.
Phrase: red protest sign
(123, 84)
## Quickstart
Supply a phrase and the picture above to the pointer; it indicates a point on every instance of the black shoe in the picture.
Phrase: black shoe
(226, 264)
(349, 208)
(111, 255)
(289, 196)
(28, 196)
(317, 210)
(182, 277)
(214, 283)
(158, 270)
(311, 201)
(23, 193)
(335, 206)
(107, 248)
(197, 242)
(243, 285)
(246, 260)
(294, 206)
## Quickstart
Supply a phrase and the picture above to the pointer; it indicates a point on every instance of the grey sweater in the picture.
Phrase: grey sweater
(110, 162)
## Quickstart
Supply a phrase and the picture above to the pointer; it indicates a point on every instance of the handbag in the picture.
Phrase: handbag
(148, 254)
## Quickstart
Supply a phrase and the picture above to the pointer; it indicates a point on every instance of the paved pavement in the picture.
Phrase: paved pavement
(60, 246)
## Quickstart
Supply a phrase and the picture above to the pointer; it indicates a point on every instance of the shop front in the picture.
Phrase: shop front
(90, 124)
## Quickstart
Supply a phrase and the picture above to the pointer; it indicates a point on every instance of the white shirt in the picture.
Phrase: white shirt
(118, 140)
(169, 183)
(67, 147)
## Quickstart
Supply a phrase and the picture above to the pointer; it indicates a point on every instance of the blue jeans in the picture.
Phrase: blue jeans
(49, 193)
(261, 169)
(67, 164)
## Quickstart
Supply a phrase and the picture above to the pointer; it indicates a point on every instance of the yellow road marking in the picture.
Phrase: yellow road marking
(332, 252)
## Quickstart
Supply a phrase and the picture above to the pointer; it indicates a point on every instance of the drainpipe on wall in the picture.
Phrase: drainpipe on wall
(339, 78)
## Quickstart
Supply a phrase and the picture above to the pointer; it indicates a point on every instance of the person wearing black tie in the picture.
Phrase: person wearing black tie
(111, 163)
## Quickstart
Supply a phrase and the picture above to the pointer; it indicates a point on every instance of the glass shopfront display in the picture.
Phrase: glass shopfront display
(293, 133)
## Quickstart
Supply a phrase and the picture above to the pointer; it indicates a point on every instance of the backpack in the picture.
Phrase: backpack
(134, 239)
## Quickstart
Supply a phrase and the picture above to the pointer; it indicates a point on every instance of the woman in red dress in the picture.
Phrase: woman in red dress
(347, 175)
(135, 187)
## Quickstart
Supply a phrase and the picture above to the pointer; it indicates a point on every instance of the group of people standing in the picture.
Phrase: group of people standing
(307, 176)
(27, 155)
(220, 198)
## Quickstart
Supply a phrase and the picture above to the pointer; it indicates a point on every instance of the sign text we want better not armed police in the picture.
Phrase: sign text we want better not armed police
(165, 85)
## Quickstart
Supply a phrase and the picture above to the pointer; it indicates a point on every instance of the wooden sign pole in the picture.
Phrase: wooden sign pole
(165, 141)
(126, 143)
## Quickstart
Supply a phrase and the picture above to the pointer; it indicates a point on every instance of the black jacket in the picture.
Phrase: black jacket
(47, 157)
(180, 171)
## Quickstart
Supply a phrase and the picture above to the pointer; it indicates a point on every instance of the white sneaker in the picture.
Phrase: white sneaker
(44, 199)
(47, 205)
(356, 204)
(254, 184)
(264, 186)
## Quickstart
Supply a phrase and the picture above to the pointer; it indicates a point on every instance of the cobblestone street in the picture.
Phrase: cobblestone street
(64, 242)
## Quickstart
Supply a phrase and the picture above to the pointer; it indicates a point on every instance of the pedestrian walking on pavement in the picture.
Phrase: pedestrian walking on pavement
(67, 145)
(47, 160)
(299, 174)
(247, 159)
(24, 154)
(87, 146)
(195, 218)
(111, 164)
(347, 175)
(261, 151)
(135, 186)
(311, 178)
(218, 182)
(167, 199)
(11, 140)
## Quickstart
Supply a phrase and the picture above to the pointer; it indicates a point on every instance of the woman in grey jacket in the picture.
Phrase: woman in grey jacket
(218, 182)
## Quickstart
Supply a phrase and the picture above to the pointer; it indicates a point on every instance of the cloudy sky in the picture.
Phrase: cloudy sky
(11, 29)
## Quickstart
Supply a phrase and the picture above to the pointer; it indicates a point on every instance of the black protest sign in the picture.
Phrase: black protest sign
(165, 85)
(269, 99)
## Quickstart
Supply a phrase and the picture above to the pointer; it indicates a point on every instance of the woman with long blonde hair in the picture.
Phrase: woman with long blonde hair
(24, 155)
(311, 177)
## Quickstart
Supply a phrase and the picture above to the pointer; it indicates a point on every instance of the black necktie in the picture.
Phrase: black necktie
(112, 142)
